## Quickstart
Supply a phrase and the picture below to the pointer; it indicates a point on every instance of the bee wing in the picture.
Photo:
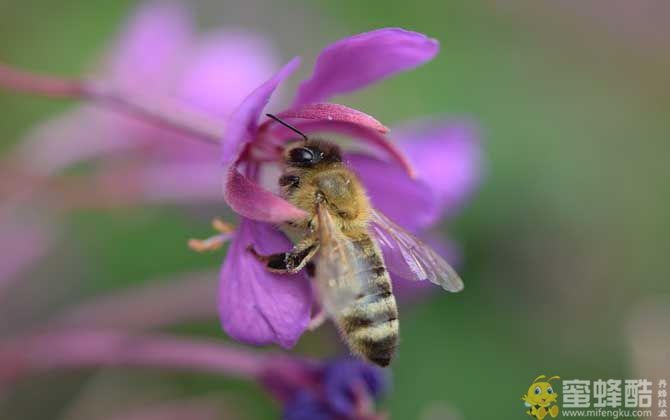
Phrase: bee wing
(421, 261)
(340, 272)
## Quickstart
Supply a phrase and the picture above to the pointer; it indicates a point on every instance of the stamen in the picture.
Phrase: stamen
(222, 227)
(206, 245)
(226, 231)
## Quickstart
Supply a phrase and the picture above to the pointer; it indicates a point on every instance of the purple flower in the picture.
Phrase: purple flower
(341, 389)
(447, 158)
(258, 307)
(307, 389)
(158, 56)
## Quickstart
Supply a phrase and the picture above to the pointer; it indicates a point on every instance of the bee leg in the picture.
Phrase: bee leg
(310, 268)
(317, 320)
(287, 262)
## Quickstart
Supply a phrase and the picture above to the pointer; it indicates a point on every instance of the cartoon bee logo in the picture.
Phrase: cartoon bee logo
(541, 398)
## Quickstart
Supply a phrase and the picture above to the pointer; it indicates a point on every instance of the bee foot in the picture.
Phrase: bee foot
(317, 320)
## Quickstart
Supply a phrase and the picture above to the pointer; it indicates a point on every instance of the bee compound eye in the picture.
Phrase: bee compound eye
(301, 155)
(537, 390)
(550, 390)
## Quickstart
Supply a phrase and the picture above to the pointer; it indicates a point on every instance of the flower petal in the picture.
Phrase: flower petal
(250, 200)
(224, 68)
(151, 47)
(169, 300)
(180, 182)
(447, 156)
(408, 202)
(66, 140)
(360, 60)
(334, 112)
(243, 123)
(306, 405)
(286, 376)
(23, 243)
(341, 378)
(352, 130)
(256, 306)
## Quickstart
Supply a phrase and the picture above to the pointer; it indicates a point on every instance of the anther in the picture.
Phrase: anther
(221, 226)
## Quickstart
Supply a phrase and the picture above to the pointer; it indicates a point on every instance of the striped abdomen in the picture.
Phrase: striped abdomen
(370, 323)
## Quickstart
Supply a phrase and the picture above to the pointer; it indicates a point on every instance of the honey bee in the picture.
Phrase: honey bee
(339, 242)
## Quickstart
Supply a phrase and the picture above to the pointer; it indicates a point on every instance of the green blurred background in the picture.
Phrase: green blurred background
(564, 245)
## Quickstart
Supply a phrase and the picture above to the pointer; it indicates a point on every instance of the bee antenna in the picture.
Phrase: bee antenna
(287, 125)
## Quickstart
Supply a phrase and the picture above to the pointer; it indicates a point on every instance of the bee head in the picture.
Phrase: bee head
(541, 392)
(311, 153)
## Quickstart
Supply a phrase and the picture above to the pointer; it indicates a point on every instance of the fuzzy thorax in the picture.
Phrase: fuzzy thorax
(327, 181)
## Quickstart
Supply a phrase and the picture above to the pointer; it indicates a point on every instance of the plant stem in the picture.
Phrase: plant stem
(159, 303)
(45, 352)
(161, 112)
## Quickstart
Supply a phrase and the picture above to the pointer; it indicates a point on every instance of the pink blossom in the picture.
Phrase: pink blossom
(416, 179)
(426, 172)
(343, 389)
(158, 56)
